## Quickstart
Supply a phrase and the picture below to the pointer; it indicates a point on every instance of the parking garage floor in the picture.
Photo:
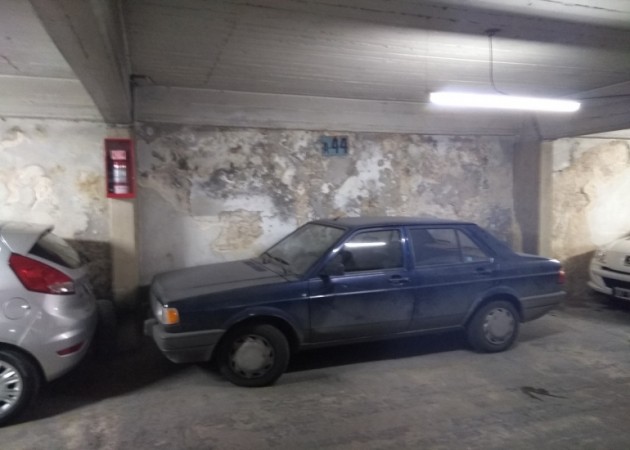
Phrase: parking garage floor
(565, 385)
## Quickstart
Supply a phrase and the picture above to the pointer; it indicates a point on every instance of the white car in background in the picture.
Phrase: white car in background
(610, 269)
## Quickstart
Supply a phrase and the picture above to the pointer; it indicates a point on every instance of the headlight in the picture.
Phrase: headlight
(165, 315)
(600, 256)
(170, 316)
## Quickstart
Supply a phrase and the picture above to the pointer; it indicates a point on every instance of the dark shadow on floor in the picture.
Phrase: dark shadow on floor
(377, 351)
(599, 307)
(97, 378)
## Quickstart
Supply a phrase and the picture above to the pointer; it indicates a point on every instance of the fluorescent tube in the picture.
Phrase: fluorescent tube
(466, 100)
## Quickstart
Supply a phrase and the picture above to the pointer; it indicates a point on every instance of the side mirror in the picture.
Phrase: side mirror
(334, 268)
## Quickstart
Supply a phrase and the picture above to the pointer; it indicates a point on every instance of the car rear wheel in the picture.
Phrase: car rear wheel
(19, 383)
(254, 356)
(494, 327)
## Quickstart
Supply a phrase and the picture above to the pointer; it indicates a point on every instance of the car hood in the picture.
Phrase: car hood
(211, 278)
(617, 255)
(620, 245)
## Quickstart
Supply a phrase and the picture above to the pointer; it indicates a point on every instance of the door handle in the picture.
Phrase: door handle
(397, 280)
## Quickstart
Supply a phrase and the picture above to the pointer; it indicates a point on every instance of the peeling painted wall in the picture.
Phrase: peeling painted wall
(210, 194)
(51, 172)
(591, 188)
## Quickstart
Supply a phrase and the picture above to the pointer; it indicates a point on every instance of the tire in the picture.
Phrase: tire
(19, 384)
(253, 355)
(494, 327)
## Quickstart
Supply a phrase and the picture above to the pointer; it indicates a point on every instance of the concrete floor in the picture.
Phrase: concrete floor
(565, 385)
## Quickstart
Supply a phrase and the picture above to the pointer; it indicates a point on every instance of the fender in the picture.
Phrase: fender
(266, 311)
(494, 291)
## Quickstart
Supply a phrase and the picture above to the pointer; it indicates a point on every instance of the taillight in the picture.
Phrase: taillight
(68, 351)
(562, 276)
(39, 277)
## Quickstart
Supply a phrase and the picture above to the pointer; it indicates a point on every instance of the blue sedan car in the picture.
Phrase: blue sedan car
(348, 280)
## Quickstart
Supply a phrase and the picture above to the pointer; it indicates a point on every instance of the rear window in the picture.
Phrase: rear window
(54, 249)
(444, 246)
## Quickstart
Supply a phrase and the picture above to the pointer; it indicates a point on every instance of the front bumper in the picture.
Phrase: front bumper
(609, 282)
(192, 346)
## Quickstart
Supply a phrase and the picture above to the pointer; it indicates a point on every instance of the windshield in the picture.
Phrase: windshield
(297, 252)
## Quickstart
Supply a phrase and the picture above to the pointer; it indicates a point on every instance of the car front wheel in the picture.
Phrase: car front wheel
(254, 356)
(19, 383)
(494, 327)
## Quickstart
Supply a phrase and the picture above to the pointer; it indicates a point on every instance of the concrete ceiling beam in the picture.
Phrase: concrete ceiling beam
(90, 36)
(452, 16)
(603, 110)
(249, 109)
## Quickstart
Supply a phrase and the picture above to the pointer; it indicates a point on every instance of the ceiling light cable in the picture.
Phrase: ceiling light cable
(490, 33)
(503, 100)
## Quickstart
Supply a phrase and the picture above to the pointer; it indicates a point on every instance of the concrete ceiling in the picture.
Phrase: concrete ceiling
(292, 62)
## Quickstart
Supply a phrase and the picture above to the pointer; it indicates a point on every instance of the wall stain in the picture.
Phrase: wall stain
(91, 185)
(239, 230)
(278, 179)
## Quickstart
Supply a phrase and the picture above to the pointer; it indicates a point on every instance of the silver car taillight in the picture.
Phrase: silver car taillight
(39, 277)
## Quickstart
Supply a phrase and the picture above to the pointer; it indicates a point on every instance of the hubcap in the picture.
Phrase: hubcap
(499, 326)
(10, 387)
(252, 356)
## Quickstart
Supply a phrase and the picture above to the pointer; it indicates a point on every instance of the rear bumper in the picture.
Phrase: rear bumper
(59, 339)
(193, 346)
(539, 305)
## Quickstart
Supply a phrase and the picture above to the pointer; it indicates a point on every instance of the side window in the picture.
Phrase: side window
(373, 250)
(470, 251)
(434, 246)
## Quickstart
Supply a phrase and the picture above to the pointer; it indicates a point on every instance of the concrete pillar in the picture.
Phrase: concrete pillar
(532, 190)
(124, 244)
(545, 218)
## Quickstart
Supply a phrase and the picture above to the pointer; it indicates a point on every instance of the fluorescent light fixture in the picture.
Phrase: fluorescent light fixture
(466, 100)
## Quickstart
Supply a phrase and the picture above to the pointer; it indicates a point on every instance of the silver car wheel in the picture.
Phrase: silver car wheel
(251, 356)
(499, 325)
(11, 387)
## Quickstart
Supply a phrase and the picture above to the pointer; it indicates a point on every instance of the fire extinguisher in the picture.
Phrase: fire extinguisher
(119, 168)
(120, 180)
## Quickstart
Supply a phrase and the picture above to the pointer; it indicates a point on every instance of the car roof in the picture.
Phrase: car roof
(379, 221)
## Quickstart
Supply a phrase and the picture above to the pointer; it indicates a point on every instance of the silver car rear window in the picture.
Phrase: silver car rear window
(53, 248)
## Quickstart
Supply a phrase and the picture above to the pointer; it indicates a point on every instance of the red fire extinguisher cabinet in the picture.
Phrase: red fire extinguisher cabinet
(120, 168)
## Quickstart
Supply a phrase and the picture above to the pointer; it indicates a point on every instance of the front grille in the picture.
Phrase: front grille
(615, 271)
(612, 283)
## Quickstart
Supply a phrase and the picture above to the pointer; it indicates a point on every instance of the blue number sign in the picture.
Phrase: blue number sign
(334, 145)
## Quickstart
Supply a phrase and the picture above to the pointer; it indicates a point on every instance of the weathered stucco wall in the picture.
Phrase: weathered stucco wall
(51, 172)
(591, 189)
(210, 194)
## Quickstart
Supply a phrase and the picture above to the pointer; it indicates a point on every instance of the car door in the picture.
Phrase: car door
(371, 296)
(451, 271)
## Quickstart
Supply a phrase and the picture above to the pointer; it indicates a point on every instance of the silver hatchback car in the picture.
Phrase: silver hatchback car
(48, 313)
